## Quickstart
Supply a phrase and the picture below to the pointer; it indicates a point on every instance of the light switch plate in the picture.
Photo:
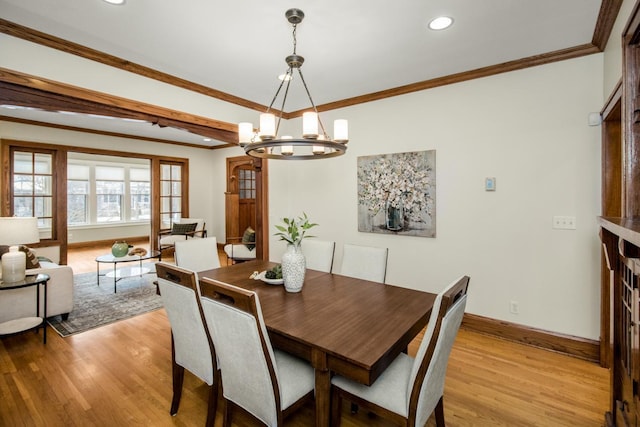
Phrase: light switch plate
(490, 184)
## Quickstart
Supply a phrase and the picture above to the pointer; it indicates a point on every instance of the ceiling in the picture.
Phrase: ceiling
(351, 48)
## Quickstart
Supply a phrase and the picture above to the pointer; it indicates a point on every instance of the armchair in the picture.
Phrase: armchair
(182, 229)
(240, 249)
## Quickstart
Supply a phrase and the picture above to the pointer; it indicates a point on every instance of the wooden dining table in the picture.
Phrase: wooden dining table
(340, 324)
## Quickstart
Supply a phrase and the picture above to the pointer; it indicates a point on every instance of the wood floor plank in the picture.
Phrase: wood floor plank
(120, 375)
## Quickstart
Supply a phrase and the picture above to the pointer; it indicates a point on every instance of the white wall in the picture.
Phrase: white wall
(107, 232)
(526, 128)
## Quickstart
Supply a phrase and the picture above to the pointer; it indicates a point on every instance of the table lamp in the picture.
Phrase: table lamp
(14, 231)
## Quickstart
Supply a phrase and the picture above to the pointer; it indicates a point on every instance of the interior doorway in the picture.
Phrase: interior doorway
(246, 201)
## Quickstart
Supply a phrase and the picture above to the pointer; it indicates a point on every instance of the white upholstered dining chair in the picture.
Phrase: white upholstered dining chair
(364, 262)
(197, 254)
(318, 254)
(410, 390)
(265, 382)
(191, 344)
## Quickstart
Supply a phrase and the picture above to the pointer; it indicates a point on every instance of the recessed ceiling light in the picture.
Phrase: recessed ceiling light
(207, 139)
(440, 23)
(116, 2)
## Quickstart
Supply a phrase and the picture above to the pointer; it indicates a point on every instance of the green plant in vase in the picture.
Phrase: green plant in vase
(293, 263)
(293, 231)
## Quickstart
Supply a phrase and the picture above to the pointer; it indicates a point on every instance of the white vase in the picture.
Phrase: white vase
(293, 268)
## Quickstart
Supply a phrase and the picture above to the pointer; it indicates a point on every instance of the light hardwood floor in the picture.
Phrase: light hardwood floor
(120, 375)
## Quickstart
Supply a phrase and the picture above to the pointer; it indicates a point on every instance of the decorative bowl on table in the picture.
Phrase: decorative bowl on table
(272, 277)
(272, 281)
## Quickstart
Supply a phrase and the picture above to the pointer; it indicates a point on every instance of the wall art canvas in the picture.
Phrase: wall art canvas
(397, 193)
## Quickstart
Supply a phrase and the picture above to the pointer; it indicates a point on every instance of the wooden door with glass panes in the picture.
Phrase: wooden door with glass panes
(242, 199)
(170, 197)
(171, 200)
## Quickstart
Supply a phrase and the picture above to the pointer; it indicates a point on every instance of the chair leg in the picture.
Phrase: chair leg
(214, 390)
(178, 379)
(354, 409)
(440, 412)
(226, 417)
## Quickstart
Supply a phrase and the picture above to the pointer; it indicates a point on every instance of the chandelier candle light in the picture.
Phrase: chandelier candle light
(315, 143)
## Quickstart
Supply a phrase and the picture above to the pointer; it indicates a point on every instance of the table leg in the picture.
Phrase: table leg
(323, 387)
(98, 273)
(44, 314)
(323, 397)
(115, 277)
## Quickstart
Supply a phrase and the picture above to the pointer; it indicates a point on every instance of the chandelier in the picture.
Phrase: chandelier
(315, 143)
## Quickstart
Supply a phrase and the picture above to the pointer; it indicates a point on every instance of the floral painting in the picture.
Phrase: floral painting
(397, 193)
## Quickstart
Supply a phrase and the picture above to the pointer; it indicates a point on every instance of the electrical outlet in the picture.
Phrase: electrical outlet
(513, 307)
(564, 222)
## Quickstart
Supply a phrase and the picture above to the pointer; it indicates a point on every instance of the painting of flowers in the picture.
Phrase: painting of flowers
(397, 193)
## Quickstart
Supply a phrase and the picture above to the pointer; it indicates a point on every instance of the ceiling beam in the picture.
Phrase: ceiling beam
(29, 91)
(107, 133)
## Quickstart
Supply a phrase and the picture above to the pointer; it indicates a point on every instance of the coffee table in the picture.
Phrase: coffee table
(123, 272)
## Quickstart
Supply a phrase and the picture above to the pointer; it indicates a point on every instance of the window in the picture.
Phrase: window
(109, 193)
(170, 194)
(140, 191)
(78, 179)
(103, 193)
(32, 190)
(247, 183)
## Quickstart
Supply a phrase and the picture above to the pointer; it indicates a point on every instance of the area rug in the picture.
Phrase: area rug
(96, 306)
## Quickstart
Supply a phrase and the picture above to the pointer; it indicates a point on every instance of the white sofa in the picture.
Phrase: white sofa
(16, 303)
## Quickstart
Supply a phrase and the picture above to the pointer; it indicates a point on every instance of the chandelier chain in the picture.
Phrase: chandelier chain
(295, 39)
(315, 142)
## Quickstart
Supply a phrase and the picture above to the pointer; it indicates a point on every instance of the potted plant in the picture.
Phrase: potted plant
(293, 262)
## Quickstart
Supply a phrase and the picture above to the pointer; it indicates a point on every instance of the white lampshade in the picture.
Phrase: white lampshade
(245, 133)
(267, 126)
(17, 230)
(309, 125)
(318, 149)
(341, 130)
(286, 150)
(14, 231)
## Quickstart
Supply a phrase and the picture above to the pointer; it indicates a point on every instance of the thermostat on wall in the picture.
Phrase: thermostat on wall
(490, 184)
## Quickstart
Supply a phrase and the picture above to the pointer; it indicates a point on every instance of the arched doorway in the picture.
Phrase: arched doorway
(246, 201)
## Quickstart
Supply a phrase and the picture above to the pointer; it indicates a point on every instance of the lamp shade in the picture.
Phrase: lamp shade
(15, 230)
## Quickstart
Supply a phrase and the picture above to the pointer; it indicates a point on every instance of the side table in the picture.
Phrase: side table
(26, 323)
